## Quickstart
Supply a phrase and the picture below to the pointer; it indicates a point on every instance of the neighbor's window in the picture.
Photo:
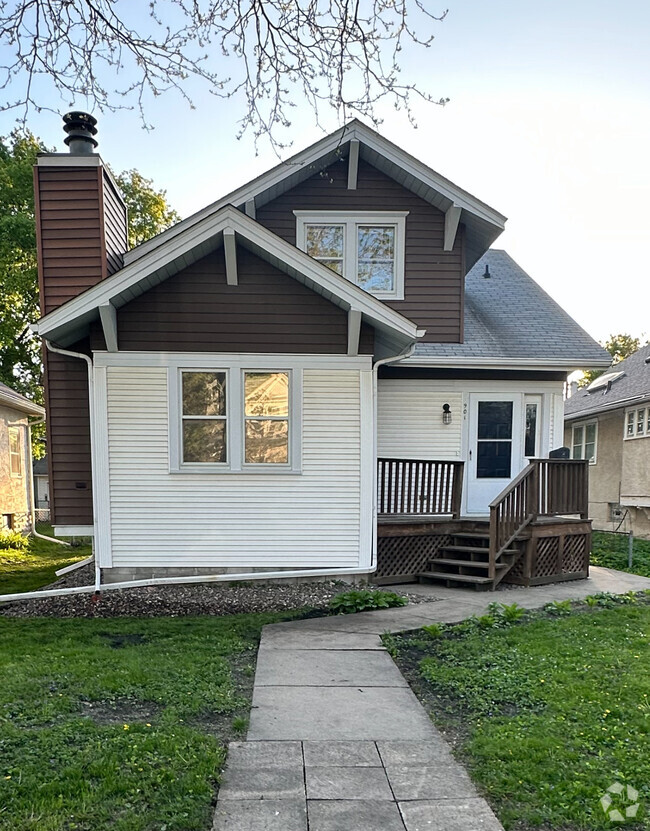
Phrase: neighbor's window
(204, 417)
(15, 456)
(266, 418)
(637, 423)
(367, 249)
(583, 444)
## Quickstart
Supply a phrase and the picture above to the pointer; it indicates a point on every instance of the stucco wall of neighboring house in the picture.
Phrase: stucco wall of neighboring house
(635, 481)
(605, 474)
(13, 494)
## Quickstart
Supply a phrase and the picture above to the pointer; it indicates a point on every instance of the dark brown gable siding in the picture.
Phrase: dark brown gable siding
(433, 277)
(196, 311)
(68, 436)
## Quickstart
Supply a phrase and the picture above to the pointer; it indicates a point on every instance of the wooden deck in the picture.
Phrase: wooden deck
(537, 531)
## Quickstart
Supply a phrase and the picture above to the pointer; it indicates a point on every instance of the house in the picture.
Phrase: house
(16, 493)
(608, 423)
(326, 371)
(41, 486)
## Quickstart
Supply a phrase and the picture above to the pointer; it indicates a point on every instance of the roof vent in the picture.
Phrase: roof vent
(486, 273)
(80, 128)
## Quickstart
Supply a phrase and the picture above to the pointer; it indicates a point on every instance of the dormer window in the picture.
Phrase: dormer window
(367, 248)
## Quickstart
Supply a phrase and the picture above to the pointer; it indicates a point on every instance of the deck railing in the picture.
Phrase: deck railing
(546, 487)
(419, 486)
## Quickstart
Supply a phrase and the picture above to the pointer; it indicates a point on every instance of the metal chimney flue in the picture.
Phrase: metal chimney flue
(80, 128)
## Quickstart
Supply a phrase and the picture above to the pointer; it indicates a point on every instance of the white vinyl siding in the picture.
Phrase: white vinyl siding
(409, 420)
(243, 520)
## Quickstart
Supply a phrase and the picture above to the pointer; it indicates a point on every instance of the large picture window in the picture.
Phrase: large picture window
(233, 420)
(583, 441)
(366, 248)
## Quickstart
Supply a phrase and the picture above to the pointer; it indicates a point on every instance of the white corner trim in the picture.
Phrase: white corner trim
(101, 494)
(354, 332)
(108, 317)
(353, 164)
(452, 219)
(367, 469)
(249, 208)
(230, 251)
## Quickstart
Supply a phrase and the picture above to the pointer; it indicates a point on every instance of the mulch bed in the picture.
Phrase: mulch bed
(184, 600)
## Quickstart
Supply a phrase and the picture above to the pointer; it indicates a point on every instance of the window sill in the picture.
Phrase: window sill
(227, 471)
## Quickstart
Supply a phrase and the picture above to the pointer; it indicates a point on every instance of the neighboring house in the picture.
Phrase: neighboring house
(41, 484)
(608, 423)
(16, 493)
(325, 370)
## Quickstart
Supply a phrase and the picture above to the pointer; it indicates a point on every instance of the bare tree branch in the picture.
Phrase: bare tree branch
(273, 53)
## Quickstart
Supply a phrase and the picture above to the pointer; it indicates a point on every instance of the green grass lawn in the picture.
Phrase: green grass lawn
(547, 714)
(120, 724)
(25, 571)
(610, 550)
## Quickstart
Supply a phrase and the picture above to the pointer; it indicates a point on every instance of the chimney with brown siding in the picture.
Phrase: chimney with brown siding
(81, 232)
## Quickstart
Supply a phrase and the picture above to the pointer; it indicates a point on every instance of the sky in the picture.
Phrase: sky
(548, 122)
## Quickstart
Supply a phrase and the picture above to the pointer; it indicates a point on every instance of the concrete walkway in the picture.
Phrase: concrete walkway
(337, 740)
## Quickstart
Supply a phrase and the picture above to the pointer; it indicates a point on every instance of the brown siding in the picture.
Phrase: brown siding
(68, 437)
(433, 277)
(115, 226)
(196, 310)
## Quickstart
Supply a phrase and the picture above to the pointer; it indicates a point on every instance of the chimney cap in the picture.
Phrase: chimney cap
(80, 128)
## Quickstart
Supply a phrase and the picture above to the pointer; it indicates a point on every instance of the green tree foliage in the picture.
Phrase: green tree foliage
(20, 351)
(149, 213)
(619, 347)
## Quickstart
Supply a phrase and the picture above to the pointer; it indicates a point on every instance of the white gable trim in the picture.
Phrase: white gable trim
(354, 131)
(126, 283)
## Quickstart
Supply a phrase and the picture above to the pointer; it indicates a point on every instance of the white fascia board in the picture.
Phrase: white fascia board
(354, 131)
(500, 363)
(347, 293)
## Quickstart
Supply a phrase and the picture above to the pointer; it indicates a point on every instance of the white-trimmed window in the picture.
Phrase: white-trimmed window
(15, 455)
(234, 420)
(367, 248)
(584, 438)
(637, 422)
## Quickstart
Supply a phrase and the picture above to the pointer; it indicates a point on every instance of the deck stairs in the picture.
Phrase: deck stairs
(465, 561)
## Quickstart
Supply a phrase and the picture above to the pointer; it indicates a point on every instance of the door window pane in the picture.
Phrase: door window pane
(531, 430)
(495, 419)
(325, 243)
(493, 459)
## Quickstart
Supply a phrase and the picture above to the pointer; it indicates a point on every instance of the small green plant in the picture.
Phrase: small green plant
(591, 600)
(434, 630)
(512, 612)
(240, 724)
(560, 608)
(13, 540)
(486, 622)
(606, 599)
(365, 600)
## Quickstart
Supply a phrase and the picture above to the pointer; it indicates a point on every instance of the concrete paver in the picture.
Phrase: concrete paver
(331, 710)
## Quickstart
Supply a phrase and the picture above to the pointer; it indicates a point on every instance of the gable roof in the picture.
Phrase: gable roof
(69, 322)
(13, 399)
(511, 321)
(482, 223)
(630, 387)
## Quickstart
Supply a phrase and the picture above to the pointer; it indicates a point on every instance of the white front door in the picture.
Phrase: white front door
(495, 451)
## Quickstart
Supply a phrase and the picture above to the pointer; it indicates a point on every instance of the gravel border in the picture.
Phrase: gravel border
(183, 600)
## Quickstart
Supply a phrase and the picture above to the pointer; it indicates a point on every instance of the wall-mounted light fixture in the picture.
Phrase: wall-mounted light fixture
(446, 414)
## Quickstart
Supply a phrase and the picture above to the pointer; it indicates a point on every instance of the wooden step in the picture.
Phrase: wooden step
(455, 578)
(469, 549)
(472, 535)
(465, 563)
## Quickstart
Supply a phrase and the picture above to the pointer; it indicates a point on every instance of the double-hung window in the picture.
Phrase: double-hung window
(15, 456)
(366, 248)
(583, 441)
(637, 422)
(233, 420)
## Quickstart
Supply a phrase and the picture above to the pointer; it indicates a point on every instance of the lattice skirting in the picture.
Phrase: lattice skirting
(551, 557)
(401, 556)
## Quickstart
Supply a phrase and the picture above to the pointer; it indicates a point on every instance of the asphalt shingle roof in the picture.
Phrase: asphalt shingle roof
(632, 386)
(11, 398)
(508, 315)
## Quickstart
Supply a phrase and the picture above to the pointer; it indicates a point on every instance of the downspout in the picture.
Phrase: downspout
(91, 417)
(405, 353)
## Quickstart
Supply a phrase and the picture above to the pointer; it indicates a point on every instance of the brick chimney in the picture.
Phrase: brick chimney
(81, 224)
(81, 233)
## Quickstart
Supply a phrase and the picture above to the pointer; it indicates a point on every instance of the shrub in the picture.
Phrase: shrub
(13, 539)
(561, 608)
(512, 612)
(365, 600)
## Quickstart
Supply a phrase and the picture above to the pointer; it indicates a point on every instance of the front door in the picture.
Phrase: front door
(495, 454)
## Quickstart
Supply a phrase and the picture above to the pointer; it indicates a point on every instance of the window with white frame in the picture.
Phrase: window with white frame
(366, 248)
(235, 419)
(15, 456)
(583, 441)
(637, 422)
